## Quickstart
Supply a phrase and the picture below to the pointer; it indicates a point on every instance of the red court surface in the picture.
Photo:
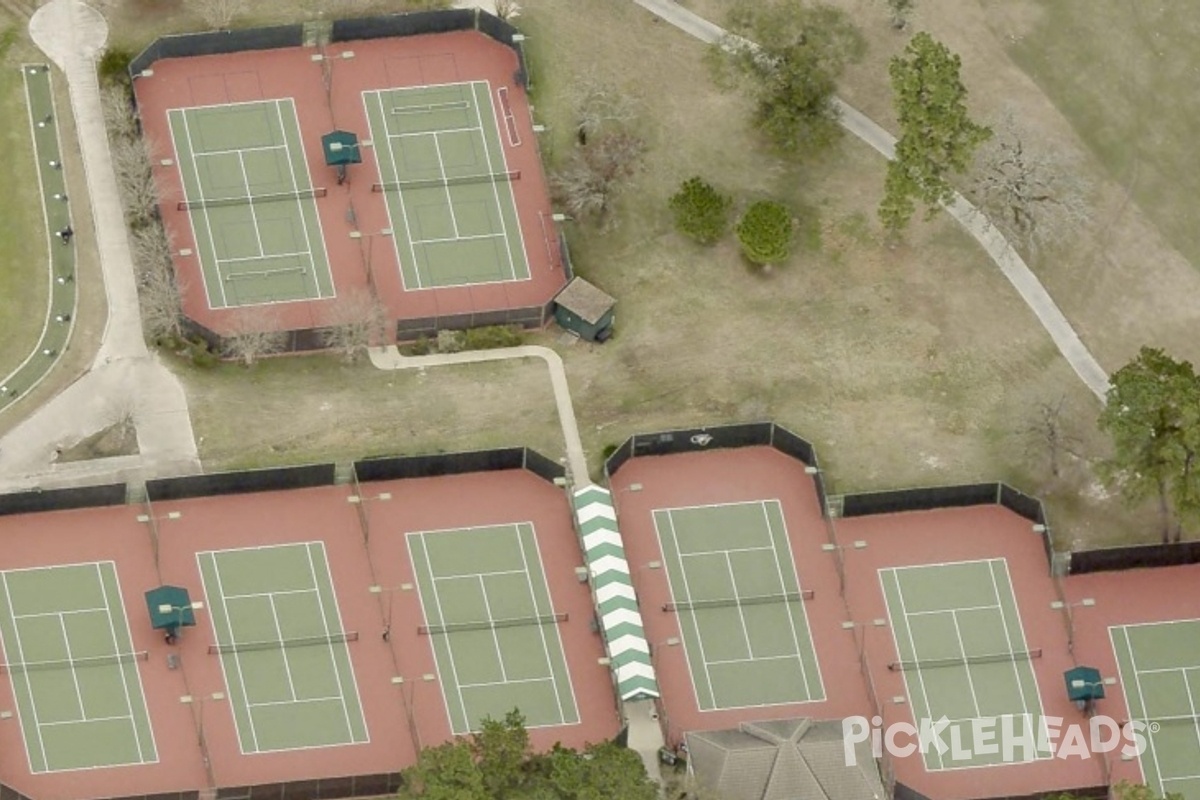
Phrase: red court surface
(376, 64)
(306, 515)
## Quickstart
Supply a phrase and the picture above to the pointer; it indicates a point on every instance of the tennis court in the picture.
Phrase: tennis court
(494, 630)
(73, 668)
(449, 193)
(251, 203)
(285, 655)
(1160, 670)
(741, 609)
(964, 656)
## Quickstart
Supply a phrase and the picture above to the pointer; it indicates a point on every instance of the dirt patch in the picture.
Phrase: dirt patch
(118, 439)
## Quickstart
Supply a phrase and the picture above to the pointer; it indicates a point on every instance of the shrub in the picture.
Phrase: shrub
(765, 232)
(114, 67)
(701, 212)
(449, 341)
(492, 337)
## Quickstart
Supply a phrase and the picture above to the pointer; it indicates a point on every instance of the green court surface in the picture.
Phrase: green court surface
(282, 647)
(251, 203)
(964, 655)
(1160, 671)
(448, 190)
(495, 634)
(740, 605)
(73, 668)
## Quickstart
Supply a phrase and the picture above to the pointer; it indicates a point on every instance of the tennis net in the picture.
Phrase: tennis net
(76, 663)
(283, 644)
(491, 624)
(736, 602)
(449, 180)
(987, 658)
(245, 200)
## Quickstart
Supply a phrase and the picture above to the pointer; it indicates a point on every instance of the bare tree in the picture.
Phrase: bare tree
(159, 294)
(218, 14)
(900, 11)
(131, 162)
(507, 9)
(1036, 196)
(254, 333)
(118, 112)
(596, 173)
(1047, 433)
(599, 105)
(356, 321)
(151, 250)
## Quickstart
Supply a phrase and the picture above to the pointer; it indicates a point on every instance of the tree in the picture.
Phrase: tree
(162, 313)
(131, 158)
(507, 9)
(1124, 790)
(1152, 415)
(356, 321)
(603, 770)
(701, 212)
(596, 173)
(1035, 195)
(765, 232)
(937, 137)
(445, 772)
(253, 334)
(1048, 433)
(600, 105)
(788, 56)
(218, 14)
(900, 10)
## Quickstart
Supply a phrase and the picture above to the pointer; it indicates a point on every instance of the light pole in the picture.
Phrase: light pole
(359, 501)
(197, 703)
(152, 521)
(365, 253)
(167, 608)
(408, 697)
(390, 591)
(838, 551)
(1069, 616)
(861, 639)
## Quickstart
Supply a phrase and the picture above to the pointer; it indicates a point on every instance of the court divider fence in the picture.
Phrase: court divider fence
(1138, 556)
(273, 479)
(216, 42)
(36, 500)
(427, 466)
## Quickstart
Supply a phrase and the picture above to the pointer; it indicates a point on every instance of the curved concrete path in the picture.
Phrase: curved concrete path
(125, 376)
(577, 470)
(967, 215)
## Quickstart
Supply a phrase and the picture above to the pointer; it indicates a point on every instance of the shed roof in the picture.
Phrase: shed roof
(585, 300)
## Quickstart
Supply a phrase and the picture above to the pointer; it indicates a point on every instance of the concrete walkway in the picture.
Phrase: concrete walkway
(577, 469)
(125, 377)
(967, 215)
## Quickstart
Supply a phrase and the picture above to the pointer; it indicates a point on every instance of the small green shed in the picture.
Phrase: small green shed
(585, 310)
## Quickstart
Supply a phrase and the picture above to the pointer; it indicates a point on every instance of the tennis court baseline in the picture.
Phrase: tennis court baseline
(74, 671)
(448, 189)
(282, 647)
(963, 652)
(494, 631)
(741, 609)
(251, 203)
(1159, 664)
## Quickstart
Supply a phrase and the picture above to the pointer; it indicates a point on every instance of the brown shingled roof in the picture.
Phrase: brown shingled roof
(585, 300)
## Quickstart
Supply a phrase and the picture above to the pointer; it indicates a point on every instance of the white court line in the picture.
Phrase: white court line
(1025, 646)
(250, 204)
(1187, 684)
(459, 238)
(916, 657)
(89, 719)
(487, 607)
(962, 648)
(28, 686)
(542, 628)
(62, 623)
(255, 149)
(1154, 670)
(471, 575)
(260, 258)
(308, 240)
(337, 671)
(964, 608)
(1137, 679)
(754, 659)
(339, 698)
(120, 605)
(507, 683)
(439, 130)
(437, 148)
(487, 150)
(117, 648)
(245, 595)
(408, 229)
(1008, 640)
(812, 646)
(212, 242)
(462, 702)
(237, 658)
(287, 668)
(712, 692)
(728, 550)
(740, 608)
(59, 613)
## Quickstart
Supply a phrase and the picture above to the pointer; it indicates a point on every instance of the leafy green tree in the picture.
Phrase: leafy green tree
(601, 772)
(501, 750)
(445, 772)
(1152, 415)
(1124, 790)
(701, 212)
(765, 232)
(789, 56)
(937, 137)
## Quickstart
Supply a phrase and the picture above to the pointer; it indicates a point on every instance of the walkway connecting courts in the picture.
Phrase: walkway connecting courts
(251, 203)
(494, 628)
(283, 648)
(964, 657)
(447, 184)
(740, 605)
(74, 671)
(1159, 665)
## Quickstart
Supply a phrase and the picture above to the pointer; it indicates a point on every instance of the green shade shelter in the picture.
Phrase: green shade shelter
(1084, 685)
(341, 148)
(170, 609)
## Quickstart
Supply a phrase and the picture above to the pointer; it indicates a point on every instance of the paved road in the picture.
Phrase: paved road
(390, 358)
(972, 219)
(125, 377)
